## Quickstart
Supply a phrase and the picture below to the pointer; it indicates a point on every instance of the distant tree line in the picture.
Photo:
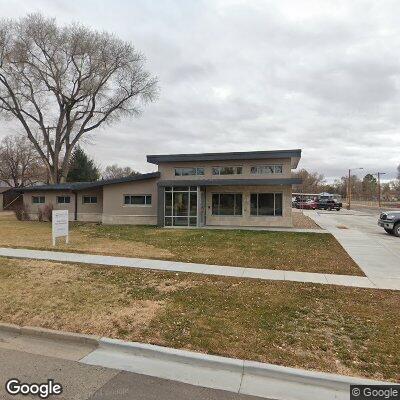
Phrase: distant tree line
(365, 188)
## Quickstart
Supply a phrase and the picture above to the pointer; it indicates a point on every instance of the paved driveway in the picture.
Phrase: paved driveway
(376, 252)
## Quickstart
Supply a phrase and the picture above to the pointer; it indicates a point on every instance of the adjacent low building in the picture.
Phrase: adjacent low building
(209, 189)
(10, 199)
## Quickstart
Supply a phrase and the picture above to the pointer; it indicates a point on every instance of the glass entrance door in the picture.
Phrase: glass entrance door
(180, 206)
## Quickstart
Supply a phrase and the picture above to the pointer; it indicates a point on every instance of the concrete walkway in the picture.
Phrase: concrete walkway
(173, 266)
(376, 252)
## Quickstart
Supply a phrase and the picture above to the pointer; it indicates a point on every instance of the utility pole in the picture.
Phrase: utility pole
(379, 174)
(349, 191)
(349, 186)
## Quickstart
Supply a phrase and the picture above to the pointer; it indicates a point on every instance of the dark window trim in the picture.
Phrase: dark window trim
(236, 167)
(90, 199)
(39, 197)
(264, 215)
(63, 197)
(219, 204)
(266, 165)
(146, 203)
(196, 170)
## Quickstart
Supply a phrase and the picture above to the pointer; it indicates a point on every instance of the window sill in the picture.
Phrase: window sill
(267, 216)
(224, 215)
(136, 205)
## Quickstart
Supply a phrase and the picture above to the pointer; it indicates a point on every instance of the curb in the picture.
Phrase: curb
(315, 378)
(10, 328)
(235, 375)
(51, 334)
(171, 354)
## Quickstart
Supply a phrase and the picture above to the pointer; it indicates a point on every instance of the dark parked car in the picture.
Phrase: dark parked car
(328, 203)
(390, 222)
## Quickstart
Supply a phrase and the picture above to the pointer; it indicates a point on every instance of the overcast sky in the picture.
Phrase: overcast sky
(236, 75)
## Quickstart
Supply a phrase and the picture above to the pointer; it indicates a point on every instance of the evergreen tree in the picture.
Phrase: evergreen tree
(82, 168)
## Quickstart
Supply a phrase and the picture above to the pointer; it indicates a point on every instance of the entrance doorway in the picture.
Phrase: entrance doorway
(180, 206)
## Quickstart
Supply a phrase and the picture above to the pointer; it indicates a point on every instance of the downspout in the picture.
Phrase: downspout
(76, 206)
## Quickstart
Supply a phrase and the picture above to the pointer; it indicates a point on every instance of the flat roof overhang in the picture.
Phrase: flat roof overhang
(294, 155)
(231, 182)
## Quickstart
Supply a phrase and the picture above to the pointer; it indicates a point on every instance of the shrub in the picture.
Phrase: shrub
(46, 213)
(21, 213)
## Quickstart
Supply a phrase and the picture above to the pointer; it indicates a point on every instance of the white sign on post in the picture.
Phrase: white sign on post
(60, 225)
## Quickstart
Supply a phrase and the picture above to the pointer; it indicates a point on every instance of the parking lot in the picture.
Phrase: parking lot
(376, 252)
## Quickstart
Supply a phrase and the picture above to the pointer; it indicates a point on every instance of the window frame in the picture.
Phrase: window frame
(63, 197)
(219, 204)
(171, 217)
(257, 169)
(90, 198)
(216, 171)
(39, 197)
(146, 203)
(198, 171)
(266, 215)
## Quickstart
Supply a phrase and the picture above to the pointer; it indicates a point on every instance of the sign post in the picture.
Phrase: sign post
(60, 225)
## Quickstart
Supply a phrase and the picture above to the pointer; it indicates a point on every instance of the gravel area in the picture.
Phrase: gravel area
(302, 221)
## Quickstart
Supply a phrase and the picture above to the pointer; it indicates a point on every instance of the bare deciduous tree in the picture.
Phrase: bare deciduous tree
(114, 171)
(312, 182)
(20, 164)
(61, 83)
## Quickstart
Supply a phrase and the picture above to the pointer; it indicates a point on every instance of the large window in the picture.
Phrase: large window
(89, 200)
(227, 204)
(266, 204)
(63, 199)
(189, 171)
(137, 200)
(266, 169)
(38, 199)
(180, 206)
(227, 170)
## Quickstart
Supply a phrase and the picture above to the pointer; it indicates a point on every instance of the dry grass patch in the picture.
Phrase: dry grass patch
(319, 327)
(310, 252)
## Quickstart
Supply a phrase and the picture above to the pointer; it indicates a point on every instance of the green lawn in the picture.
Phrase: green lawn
(311, 252)
(327, 328)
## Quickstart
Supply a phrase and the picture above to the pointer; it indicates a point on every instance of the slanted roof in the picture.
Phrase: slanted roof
(90, 185)
(5, 189)
(294, 155)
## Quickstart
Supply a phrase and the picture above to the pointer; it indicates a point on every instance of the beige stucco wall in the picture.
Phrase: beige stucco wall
(86, 212)
(90, 212)
(50, 199)
(246, 219)
(116, 212)
(167, 170)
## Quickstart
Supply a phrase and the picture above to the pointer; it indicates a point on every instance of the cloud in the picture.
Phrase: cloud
(238, 75)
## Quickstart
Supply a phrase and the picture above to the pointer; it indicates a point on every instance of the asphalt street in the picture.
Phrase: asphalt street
(85, 382)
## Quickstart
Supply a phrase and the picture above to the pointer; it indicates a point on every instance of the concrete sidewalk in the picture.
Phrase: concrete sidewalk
(172, 266)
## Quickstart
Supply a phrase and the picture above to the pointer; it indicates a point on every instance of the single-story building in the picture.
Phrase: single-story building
(209, 189)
